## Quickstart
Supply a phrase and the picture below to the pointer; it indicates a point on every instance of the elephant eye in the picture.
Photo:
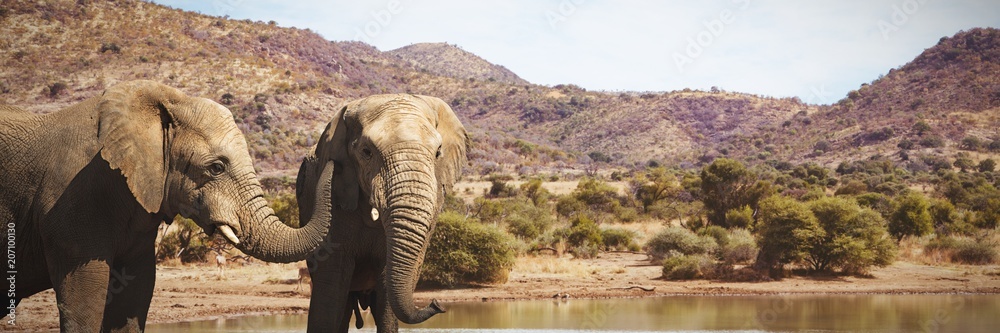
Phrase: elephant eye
(438, 154)
(216, 168)
(366, 152)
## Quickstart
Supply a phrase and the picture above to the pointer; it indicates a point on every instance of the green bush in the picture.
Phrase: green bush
(720, 234)
(784, 229)
(597, 195)
(967, 250)
(584, 231)
(675, 241)
(618, 239)
(976, 253)
(538, 195)
(853, 238)
(910, 216)
(568, 206)
(464, 251)
(286, 208)
(741, 248)
(686, 267)
(740, 217)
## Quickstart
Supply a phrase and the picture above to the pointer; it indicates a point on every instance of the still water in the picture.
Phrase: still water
(816, 313)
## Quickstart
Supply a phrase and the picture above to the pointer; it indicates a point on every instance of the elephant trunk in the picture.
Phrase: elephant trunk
(268, 239)
(411, 199)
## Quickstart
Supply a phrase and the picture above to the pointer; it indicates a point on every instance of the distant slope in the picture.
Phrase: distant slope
(283, 84)
(443, 59)
(954, 87)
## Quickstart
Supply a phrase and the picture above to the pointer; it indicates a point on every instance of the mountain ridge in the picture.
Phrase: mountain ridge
(282, 84)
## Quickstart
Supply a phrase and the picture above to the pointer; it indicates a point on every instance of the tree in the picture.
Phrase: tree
(854, 238)
(597, 195)
(910, 216)
(784, 228)
(725, 185)
(654, 186)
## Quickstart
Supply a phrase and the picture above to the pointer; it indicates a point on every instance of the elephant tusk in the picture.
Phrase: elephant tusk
(374, 214)
(230, 235)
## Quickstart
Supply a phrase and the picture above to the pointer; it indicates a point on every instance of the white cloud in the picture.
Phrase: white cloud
(769, 47)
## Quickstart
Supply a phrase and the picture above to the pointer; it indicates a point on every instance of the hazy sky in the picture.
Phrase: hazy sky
(816, 50)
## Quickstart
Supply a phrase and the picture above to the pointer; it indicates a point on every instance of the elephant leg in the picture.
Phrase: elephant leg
(331, 282)
(385, 320)
(130, 290)
(81, 291)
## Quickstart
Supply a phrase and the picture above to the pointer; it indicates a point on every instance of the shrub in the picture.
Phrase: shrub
(784, 230)
(720, 234)
(942, 213)
(678, 241)
(597, 195)
(525, 228)
(932, 141)
(740, 217)
(740, 249)
(286, 208)
(853, 238)
(464, 251)
(982, 251)
(987, 165)
(533, 190)
(188, 242)
(584, 231)
(500, 189)
(910, 216)
(852, 187)
(686, 267)
(57, 88)
(975, 253)
(568, 206)
(618, 239)
(625, 214)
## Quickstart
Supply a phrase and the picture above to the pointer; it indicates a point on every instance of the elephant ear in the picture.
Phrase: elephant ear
(454, 142)
(333, 146)
(133, 132)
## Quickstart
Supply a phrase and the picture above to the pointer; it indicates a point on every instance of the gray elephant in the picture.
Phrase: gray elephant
(86, 187)
(395, 157)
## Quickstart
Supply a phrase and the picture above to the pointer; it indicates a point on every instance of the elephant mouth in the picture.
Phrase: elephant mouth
(226, 231)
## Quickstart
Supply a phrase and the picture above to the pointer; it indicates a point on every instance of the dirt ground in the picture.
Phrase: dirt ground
(198, 292)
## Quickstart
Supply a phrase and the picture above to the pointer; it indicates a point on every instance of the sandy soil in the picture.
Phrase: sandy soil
(197, 292)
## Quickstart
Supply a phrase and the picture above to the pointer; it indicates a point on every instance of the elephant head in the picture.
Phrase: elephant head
(395, 155)
(185, 155)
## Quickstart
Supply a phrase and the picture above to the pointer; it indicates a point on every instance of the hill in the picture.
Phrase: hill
(443, 59)
(283, 84)
(946, 99)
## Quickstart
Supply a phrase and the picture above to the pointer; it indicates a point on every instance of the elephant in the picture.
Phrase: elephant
(395, 157)
(83, 191)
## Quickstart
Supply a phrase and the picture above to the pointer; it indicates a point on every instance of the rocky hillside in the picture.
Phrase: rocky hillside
(443, 59)
(939, 102)
(283, 84)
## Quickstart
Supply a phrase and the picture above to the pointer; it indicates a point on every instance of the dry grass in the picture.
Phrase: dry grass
(546, 265)
(644, 229)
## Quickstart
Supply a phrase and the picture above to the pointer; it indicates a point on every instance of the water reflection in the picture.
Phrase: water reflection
(880, 313)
